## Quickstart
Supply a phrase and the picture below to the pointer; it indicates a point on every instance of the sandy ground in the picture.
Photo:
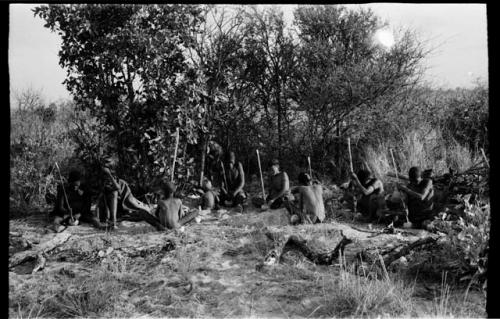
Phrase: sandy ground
(213, 271)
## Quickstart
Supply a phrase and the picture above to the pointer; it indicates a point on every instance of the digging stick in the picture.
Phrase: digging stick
(350, 154)
(397, 178)
(175, 154)
(309, 163)
(261, 179)
(485, 158)
(64, 191)
(224, 175)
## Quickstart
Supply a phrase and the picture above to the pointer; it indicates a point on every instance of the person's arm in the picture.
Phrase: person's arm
(294, 189)
(242, 179)
(285, 186)
(60, 201)
(365, 191)
(113, 180)
(420, 196)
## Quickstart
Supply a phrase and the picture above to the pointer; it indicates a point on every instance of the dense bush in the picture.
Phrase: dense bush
(39, 138)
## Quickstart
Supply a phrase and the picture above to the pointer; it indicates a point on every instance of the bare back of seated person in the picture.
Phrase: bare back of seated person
(169, 212)
(311, 203)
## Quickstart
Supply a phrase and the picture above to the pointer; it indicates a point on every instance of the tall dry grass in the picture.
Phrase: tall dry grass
(425, 148)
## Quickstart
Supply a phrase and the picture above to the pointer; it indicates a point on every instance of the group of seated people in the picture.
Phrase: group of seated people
(373, 204)
(304, 202)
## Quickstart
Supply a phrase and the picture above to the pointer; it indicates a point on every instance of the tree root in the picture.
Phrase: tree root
(284, 244)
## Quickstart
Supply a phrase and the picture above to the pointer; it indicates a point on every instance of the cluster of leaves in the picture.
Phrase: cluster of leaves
(468, 235)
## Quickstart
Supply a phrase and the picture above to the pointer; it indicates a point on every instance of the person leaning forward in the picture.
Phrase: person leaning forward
(279, 187)
(118, 202)
(79, 209)
(234, 175)
(420, 192)
(372, 201)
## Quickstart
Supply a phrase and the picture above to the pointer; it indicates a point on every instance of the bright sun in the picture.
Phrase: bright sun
(385, 38)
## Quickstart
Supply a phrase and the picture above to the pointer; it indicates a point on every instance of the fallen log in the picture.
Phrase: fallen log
(392, 254)
(42, 248)
(284, 244)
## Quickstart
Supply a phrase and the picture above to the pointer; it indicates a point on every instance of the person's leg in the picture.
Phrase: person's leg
(57, 224)
(113, 207)
(140, 215)
(277, 203)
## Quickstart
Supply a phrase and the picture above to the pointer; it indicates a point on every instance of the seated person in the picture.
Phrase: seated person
(310, 208)
(279, 187)
(117, 201)
(420, 192)
(372, 201)
(169, 211)
(234, 175)
(210, 199)
(79, 202)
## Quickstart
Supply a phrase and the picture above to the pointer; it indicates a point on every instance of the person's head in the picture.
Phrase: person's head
(363, 175)
(207, 185)
(108, 162)
(415, 174)
(169, 189)
(231, 158)
(75, 178)
(274, 166)
(304, 179)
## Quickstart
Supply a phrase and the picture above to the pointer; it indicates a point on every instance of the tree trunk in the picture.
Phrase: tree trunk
(337, 153)
(203, 158)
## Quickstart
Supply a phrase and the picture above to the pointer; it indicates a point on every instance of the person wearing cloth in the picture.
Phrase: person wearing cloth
(279, 187)
(117, 200)
(371, 205)
(79, 209)
(234, 175)
(310, 207)
(420, 192)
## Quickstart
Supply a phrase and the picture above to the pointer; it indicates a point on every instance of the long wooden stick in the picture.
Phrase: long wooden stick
(64, 191)
(397, 178)
(310, 170)
(175, 154)
(261, 179)
(350, 154)
(485, 158)
(224, 175)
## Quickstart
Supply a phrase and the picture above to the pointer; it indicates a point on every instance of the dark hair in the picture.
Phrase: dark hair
(169, 188)
(304, 178)
(363, 175)
(74, 175)
(230, 155)
(274, 161)
(414, 173)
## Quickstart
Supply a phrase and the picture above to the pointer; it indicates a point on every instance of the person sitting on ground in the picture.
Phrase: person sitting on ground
(279, 187)
(78, 198)
(169, 210)
(234, 175)
(420, 192)
(210, 199)
(117, 201)
(372, 202)
(310, 207)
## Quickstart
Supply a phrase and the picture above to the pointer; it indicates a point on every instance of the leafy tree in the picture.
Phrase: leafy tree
(341, 71)
(127, 65)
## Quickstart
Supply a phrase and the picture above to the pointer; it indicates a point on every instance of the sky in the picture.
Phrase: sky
(456, 32)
